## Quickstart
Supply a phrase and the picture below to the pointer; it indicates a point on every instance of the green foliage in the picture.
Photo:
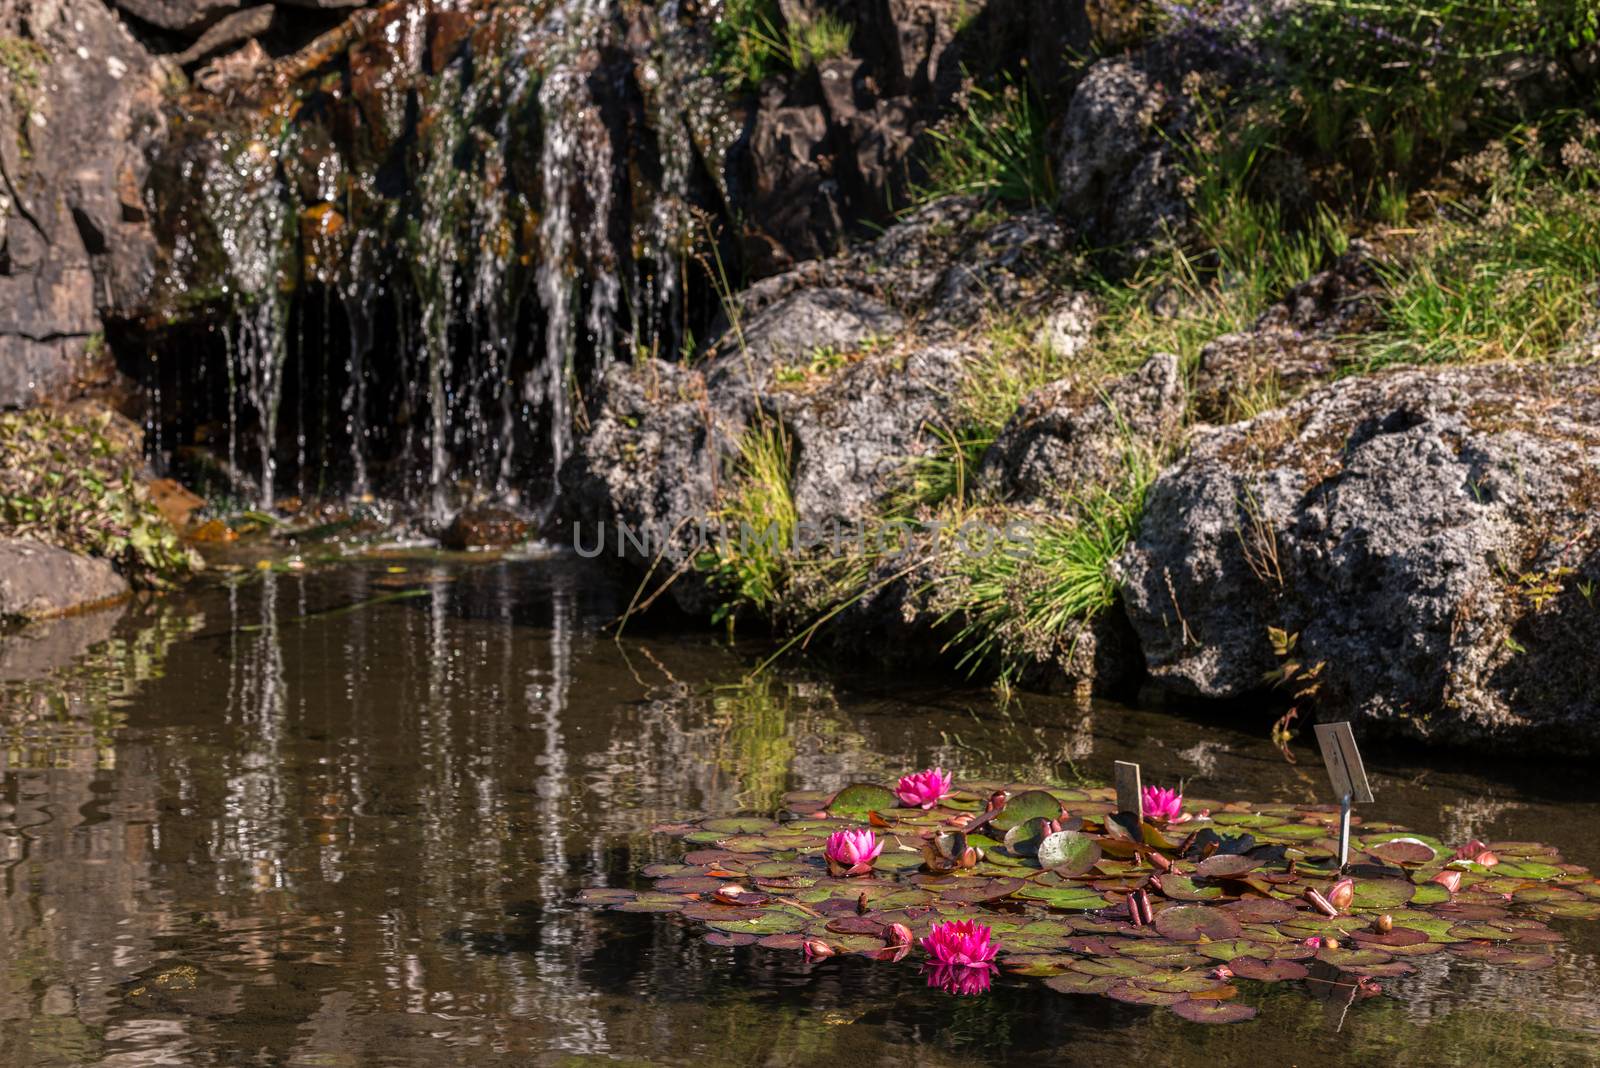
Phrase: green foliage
(1387, 86)
(20, 62)
(750, 564)
(1018, 607)
(752, 42)
(995, 145)
(1511, 275)
(66, 481)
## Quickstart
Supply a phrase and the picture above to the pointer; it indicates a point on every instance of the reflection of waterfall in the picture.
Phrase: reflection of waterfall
(250, 825)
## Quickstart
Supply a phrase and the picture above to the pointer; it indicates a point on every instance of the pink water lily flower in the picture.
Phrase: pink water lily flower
(852, 852)
(960, 942)
(924, 789)
(1162, 804)
(962, 980)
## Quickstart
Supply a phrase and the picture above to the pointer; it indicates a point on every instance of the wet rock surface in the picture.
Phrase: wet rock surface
(1427, 534)
(75, 247)
(38, 581)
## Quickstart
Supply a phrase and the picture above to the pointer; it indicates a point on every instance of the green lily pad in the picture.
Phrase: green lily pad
(769, 922)
(1116, 967)
(1192, 923)
(1030, 804)
(1526, 869)
(1063, 897)
(1260, 910)
(1230, 949)
(860, 798)
(1352, 959)
(1068, 853)
(1380, 894)
(1183, 888)
(1023, 839)
(1129, 991)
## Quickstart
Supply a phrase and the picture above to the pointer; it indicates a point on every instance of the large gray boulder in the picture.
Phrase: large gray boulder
(38, 581)
(1070, 436)
(1429, 535)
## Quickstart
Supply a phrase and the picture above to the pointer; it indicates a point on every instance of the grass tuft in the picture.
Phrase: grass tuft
(995, 146)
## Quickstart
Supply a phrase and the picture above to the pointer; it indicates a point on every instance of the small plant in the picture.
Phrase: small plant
(995, 146)
(67, 481)
(1019, 607)
(750, 563)
(752, 42)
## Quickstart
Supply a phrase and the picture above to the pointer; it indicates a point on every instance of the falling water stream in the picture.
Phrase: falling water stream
(493, 230)
(341, 816)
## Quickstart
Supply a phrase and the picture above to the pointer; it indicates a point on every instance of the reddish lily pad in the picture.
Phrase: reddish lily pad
(1406, 851)
(1267, 971)
(1213, 1012)
(1192, 923)
(1225, 865)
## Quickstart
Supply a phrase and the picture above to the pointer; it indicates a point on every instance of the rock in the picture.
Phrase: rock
(1117, 167)
(650, 466)
(484, 527)
(1070, 436)
(174, 502)
(811, 320)
(1427, 534)
(1298, 342)
(81, 110)
(1068, 327)
(240, 26)
(38, 580)
(862, 425)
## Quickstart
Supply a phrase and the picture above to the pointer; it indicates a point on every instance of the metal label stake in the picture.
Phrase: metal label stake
(1130, 794)
(1348, 775)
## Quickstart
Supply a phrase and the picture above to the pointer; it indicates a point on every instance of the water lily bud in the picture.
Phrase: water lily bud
(1320, 903)
(1134, 916)
(1145, 913)
(817, 949)
(1160, 861)
(861, 904)
(1384, 924)
(897, 934)
(1330, 943)
(1222, 971)
(1341, 893)
(1449, 879)
(1486, 858)
(728, 893)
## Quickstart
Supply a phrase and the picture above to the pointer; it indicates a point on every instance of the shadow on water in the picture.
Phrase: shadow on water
(300, 820)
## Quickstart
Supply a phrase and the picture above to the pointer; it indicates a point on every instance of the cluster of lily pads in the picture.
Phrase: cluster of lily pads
(1173, 909)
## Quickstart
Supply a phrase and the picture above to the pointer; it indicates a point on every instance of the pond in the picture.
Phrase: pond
(341, 817)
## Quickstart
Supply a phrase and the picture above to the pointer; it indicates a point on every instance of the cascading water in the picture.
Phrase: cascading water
(495, 198)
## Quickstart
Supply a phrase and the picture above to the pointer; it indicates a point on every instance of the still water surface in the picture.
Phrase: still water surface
(240, 826)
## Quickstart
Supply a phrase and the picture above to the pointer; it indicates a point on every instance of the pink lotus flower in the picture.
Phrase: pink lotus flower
(852, 852)
(1315, 942)
(1162, 804)
(960, 942)
(924, 789)
(962, 980)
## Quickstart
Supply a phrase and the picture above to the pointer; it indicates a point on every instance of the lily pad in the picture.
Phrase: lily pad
(1519, 957)
(1406, 851)
(1192, 923)
(1371, 894)
(1267, 971)
(860, 798)
(1030, 804)
(1079, 983)
(1213, 1012)
(1068, 853)
(1223, 865)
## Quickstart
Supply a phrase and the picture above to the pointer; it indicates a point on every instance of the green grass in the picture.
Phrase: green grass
(752, 42)
(750, 565)
(1396, 86)
(1018, 608)
(1514, 279)
(995, 145)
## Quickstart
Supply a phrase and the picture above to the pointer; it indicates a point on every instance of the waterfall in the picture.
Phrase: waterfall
(427, 244)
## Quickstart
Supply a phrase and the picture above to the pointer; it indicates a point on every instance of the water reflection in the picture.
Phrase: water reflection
(303, 820)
